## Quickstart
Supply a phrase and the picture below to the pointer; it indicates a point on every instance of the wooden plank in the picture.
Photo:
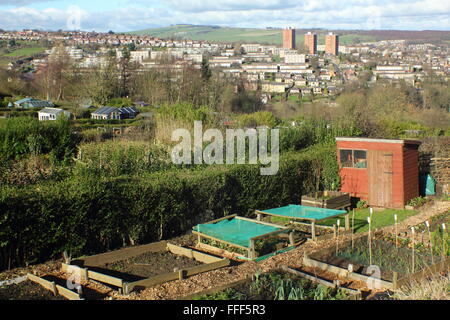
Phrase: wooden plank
(270, 234)
(68, 294)
(302, 218)
(71, 269)
(218, 251)
(263, 222)
(353, 294)
(105, 278)
(318, 226)
(205, 258)
(92, 275)
(199, 256)
(325, 267)
(219, 240)
(207, 267)
(313, 230)
(343, 272)
(221, 219)
(417, 276)
(128, 287)
(44, 283)
(251, 251)
(122, 254)
(284, 216)
(309, 277)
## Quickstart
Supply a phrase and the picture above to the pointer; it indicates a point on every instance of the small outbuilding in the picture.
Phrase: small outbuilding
(383, 172)
(47, 114)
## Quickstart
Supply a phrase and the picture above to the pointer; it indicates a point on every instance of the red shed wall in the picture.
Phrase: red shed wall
(411, 169)
(356, 181)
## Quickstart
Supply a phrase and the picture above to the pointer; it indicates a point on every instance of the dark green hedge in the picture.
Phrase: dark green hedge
(87, 215)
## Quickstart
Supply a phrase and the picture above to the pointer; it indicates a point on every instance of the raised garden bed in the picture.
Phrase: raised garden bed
(285, 284)
(327, 199)
(250, 239)
(27, 290)
(395, 264)
(144, 266)
(298, 214)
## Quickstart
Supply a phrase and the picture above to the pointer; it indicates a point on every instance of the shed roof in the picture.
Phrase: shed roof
(371, 140)
(106, 110)
(55, 111)
(35, 103)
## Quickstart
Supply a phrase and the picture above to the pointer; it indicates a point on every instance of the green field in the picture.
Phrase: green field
(227, 34)
(25, 52)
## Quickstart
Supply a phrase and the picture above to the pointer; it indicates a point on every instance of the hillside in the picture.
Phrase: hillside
(228, 34)
(273, 36)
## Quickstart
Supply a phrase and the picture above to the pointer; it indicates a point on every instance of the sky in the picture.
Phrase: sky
(132, 15)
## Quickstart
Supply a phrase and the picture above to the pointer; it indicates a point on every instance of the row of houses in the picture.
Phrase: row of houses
(112, 113)
(49, 112)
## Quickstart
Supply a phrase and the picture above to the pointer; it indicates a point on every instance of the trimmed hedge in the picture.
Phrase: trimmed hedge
(21, 137)
(87, 215)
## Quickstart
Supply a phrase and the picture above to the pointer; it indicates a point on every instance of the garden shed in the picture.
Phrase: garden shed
(383, 172)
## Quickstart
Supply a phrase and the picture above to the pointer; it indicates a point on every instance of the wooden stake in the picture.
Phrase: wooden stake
(337, 238)
(353, 229)
(370, 241)
(431, 241)
(443, 240)
(413, 247)
(313, 230)
(396, 231)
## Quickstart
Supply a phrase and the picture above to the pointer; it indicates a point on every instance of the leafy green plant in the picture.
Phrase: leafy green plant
(418, 202)
(361, 204)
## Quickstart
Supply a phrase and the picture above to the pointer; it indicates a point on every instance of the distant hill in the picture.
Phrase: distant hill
(273, 36)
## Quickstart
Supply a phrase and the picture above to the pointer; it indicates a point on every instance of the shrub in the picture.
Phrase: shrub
(20, 137)
(260, 118)
(87, 213)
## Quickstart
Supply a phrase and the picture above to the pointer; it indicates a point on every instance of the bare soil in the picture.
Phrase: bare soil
(27, 290)
(152, 264)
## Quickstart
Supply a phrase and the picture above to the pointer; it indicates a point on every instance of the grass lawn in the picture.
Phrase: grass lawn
(25, 52)
(379, 218)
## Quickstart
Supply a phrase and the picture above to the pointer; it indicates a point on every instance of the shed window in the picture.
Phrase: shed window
(353, 158)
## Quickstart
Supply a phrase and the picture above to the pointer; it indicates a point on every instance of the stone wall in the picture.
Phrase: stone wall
(434, 159)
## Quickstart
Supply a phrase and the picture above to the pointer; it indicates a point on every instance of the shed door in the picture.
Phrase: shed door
(380, 174)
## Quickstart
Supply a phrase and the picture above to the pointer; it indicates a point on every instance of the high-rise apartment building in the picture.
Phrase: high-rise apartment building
(289, 38)
(332, 44)
(311, 42)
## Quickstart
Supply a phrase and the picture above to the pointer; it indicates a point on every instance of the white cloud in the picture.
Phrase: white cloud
(19, 3)
(331, 14)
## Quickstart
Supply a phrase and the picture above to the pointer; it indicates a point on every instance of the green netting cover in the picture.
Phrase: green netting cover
(304, 212)
(235, 231)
